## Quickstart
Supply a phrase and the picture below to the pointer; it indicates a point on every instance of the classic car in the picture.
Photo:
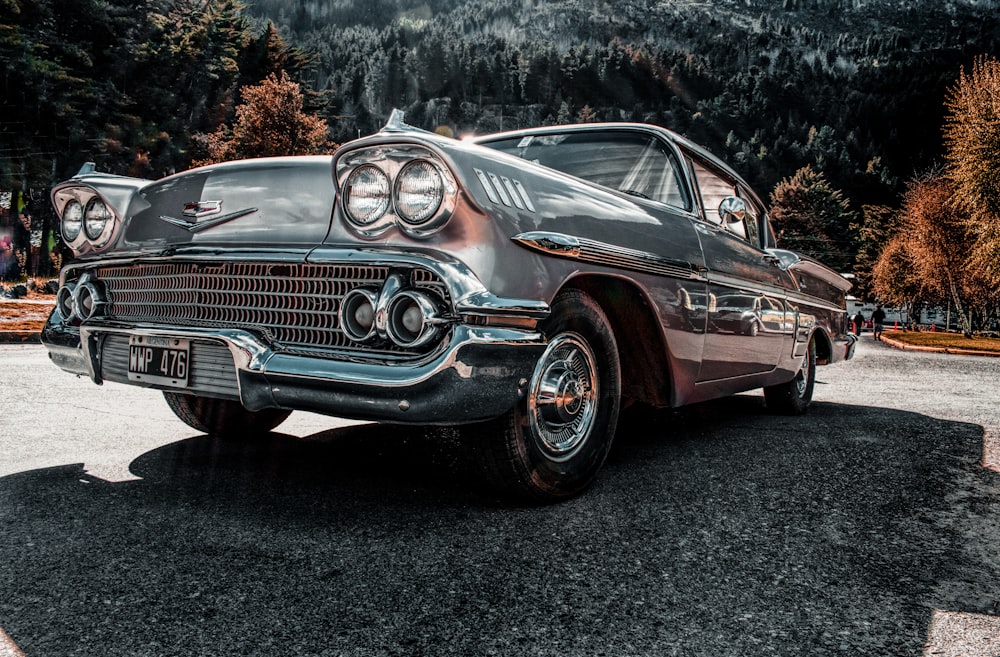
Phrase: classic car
(523, 286)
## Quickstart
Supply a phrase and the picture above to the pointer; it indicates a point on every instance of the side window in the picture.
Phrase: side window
(752, 220)
(714, 188)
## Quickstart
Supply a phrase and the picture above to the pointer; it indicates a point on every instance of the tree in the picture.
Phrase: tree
(813, 218)
(184, 77)
(270, 122)
(586, 115)
(894, 280)
(972, 141)
(939, 241)
(268, 53)
(879, 223)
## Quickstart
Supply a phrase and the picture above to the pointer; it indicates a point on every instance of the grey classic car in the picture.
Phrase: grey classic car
(524, 287)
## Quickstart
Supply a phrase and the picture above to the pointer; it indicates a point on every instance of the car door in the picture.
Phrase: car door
(743, 275)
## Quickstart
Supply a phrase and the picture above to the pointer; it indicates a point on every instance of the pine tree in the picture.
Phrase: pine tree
(813, 218)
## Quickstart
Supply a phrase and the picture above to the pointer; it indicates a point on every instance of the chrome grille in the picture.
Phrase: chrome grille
(293, 306)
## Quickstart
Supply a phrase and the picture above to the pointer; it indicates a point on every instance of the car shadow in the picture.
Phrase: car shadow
(714, 530)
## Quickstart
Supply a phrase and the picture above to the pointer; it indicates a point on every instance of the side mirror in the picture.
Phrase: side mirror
(732, 210)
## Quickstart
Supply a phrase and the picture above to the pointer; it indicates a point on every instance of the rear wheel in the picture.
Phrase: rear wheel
(551, 445)
(223, 417)
(795, 396)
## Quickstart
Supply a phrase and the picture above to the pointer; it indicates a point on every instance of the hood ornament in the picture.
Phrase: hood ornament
(396, 123)
(195, 210)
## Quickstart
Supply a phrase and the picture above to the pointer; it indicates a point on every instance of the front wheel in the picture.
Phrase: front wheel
(795, 396)
(551, 445)
(223, 417)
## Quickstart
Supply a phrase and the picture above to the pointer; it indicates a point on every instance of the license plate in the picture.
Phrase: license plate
(163, 361)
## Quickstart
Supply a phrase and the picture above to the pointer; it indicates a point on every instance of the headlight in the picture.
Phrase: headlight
(402, 186)
(366, 195)
(87, 300)
(66, 302)
(419, 192)
(357, 314)
(96, 219)
(72, 220)
(413, 319)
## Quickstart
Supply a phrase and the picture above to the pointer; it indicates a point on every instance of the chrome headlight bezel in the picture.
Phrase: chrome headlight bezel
(423, 192)
(88, 222)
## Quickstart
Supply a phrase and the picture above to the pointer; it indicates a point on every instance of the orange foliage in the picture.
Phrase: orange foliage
(270, 122)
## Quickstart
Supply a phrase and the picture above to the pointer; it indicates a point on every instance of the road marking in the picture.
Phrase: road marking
(7, 646)
(954, 634)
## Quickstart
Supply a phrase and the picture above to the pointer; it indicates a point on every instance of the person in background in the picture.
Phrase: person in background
(33, 265)
(8, 261)
(859, 322)
(878, 320)
(21, 238)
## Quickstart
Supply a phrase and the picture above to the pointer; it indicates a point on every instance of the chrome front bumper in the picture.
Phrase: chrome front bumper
(480, 374)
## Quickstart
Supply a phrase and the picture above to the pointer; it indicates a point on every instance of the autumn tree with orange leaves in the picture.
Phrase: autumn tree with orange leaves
(894, 279)
(928, 259)
(270, 122)
(946, 249)
(972, 142)
(939, 241)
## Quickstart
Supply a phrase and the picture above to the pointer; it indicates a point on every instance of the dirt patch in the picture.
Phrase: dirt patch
(27, 313)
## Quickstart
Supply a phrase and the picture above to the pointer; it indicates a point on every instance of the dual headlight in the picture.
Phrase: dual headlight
(400, 186)
(79, 301)
(93, 219)
(87, 222)
(405, 317)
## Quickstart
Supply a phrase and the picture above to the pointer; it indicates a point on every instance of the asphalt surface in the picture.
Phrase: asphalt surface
(868, 527)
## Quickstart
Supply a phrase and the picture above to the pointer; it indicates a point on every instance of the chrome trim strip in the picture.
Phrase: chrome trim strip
(601, 253)
(514, 196)
(524, 195)
(197, 227)
(487, 187)
(504, 197)
(557, 244)
(773, 290)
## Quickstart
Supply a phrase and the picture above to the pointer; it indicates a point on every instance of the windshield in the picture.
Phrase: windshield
(633, 163)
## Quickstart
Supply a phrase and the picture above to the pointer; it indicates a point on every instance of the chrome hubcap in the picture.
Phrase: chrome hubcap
(802, 378)
(562, 405)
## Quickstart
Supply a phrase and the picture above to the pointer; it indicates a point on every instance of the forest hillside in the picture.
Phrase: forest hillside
(854, 88)
(850, 90)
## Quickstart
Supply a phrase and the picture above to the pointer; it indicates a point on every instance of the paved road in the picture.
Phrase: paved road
(869, 527)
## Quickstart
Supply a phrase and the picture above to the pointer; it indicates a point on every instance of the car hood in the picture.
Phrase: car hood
(271, 201)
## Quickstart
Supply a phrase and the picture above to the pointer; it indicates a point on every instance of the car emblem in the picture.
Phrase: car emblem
(195, 210)
(200, 209)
